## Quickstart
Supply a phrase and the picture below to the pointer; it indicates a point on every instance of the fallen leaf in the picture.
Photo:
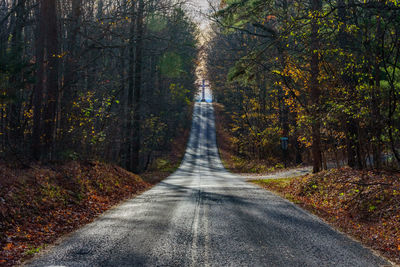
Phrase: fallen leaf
(9, 246)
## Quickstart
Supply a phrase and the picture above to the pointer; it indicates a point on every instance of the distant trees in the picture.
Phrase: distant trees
(327, 71)
(87, 79)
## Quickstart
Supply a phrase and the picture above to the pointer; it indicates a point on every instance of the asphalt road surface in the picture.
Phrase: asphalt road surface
(203, 215)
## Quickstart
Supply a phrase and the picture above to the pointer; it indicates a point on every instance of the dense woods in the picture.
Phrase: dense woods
(324, 74)
(96, 79)
(96, 101)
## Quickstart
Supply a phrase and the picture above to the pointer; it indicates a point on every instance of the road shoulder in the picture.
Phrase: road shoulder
(356, 203)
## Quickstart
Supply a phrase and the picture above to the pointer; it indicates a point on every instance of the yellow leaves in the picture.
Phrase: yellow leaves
(305, 141)
(28, 113)
(60, 55)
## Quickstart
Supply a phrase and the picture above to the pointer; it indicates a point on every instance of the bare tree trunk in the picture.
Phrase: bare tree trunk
(68, 87)
(316, 6)
(138, 85)
(350, 128)
(130, 107)
(376, 116)
(16, 135)
(38, 89)
(52, 53)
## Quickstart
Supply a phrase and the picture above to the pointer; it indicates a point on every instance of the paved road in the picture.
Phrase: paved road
(204, 216)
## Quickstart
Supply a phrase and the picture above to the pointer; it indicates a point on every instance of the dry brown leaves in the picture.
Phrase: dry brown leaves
(364, 204)
(40, 204)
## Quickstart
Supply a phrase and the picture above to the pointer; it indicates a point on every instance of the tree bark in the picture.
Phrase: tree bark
(137, 94)
(131, 83)
(71, 66)
(52, 59)
(376, 116)
(16, 135)
(38, 88)
(351, 124)
(315, 91)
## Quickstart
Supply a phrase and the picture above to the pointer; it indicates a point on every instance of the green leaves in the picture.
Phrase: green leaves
(171, 65)
(156, 22)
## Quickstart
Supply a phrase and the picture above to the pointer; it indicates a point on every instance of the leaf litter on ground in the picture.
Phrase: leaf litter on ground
(364, 204)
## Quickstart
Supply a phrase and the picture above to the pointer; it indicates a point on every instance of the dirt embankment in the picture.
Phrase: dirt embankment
(41, 203)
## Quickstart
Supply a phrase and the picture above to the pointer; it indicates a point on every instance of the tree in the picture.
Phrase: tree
(84, 75)
(328, 59)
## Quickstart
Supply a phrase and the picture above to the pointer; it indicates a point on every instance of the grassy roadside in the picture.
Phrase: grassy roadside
(228, 152)
(44, 202)
(363, 204)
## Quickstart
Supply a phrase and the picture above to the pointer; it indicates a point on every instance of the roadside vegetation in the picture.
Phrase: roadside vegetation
(41, 203)
(96, 100)
(230, 151)
(103, 80)
(326, 76)
(363, 204)
(323, 74)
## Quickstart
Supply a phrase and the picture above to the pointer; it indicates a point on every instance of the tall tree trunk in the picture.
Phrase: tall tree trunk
(16, 78)
(351, 124)
(376, 115)
(52, 53)
(71, 66)
(138, 84)
(131, 83)
(39, 86)
(316, 6)
(125, 112)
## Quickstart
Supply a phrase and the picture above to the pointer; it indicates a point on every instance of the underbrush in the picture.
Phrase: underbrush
(364, 204)
(228, 152)
(41, 203)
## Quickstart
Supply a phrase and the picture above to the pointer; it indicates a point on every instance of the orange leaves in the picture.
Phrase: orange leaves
(269, 18)
(9, 246)
(41, 209)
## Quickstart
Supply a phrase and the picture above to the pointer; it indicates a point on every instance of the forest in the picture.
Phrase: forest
(324, 74)
(94, 79)
(99, 103)
(93, 93)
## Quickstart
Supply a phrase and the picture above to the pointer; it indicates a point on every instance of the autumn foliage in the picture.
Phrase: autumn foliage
(230, 150)
(41, 203)
(364, 204)
(323, 75)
